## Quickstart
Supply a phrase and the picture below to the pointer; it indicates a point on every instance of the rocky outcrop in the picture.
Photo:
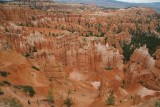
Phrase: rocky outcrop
(144, 69)
(94, 57)
(54, 70)
(5, 46)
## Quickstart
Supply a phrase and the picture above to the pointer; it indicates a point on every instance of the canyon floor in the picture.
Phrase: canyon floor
(79, 55)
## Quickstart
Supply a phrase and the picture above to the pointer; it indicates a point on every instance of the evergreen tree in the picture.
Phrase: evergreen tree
(50, 97)
(111, 99)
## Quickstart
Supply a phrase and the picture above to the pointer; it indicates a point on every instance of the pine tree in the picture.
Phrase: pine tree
(111, 99)
(50, 97)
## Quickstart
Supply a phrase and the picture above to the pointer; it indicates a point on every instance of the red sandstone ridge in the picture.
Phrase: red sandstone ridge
(82, 49)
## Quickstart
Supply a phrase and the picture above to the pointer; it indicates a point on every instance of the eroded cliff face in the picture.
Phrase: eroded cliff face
(94, 57)
(144, 69)
(78, 51)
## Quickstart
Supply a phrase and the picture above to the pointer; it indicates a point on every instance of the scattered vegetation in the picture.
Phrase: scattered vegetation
(150, 39)
(4, 73)
(13, 102)
(139, 39)
(1, 93)
(33, 18)
(6, 30)
(108, 68)
(1, 84)
(111, 99)
(29, 54)
(157, 103)
(102, 34)
(127, 51)
(17, 87)
(28, 89)
(123, 83)
(68, 100)
(35, 68)
(6, 82)
(50, 97)
(21, 24)
(109, 8)
(32, 49)
(158, 27)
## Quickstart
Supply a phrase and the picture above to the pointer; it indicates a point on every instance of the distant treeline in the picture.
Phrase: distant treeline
(138, 39)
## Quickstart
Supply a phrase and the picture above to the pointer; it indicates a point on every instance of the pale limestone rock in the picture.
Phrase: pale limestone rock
(96, 84)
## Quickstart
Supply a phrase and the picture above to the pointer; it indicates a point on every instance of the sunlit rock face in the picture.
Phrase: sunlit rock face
(141, 60)
(144, 69)
(70, 50)
(35, 37)
(94, 57)
(156, 70)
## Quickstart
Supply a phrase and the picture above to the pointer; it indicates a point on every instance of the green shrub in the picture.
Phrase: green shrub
(4, 73)
(35, 68)
(50, 97)
(150, 39)
(32, 49)
(7, 83)
(138, 39)
(111, 99)
(108, 68)
(27, 55)
(13, 102)
(102, 34)
(17, 87)
(28, 89)
(33, 18)
(6, 30)
(68, 102)
(157, 103)
(127, 51)
(21, 24)
(1, 84)
(158, 28)
(1, 93)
